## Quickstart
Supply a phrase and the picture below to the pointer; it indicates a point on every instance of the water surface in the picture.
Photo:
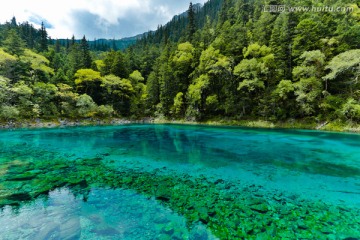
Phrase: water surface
(69, 172)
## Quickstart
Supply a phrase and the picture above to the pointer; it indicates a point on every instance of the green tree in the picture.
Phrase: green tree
(182, 65)
(254, 74)
(88, 81)
(282, 98)
(138, 101)
(66, 99)
(153, 90)
(40, 70)
(73, 63)
(263, 27)
(179, 106)
(43, 38)
(168, 88)
(196, 96)
(191, 27)
(13, 43)
(116, 64)
(118, 93)
(5, 94)
(22, 95)
(86, 106)
(344, 72)
(306, 38)
(351, 110)
(86, 60)
(309, 85)
(45, 95)
(280, 43)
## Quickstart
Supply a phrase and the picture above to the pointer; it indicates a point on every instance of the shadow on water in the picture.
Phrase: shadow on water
(327, 169)
(216, 149)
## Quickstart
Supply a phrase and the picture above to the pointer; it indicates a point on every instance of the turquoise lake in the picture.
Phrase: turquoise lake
(153, 181)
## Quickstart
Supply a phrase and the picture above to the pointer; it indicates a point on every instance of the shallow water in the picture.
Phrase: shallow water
(86, 178)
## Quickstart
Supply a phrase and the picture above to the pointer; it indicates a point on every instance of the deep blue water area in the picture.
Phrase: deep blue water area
(86, 182)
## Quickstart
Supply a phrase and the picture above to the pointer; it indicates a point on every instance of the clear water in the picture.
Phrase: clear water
(303, 168)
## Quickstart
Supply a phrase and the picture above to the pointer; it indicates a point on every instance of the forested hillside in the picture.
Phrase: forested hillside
(229, 59)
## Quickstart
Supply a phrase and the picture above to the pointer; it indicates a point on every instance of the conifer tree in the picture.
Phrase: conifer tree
(191, 28)
(13, 22)
(85, 53)
(43, 38)
(14, 44)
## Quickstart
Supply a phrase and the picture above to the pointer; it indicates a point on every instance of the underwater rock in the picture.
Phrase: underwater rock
(168, 229)
(203, 214)
(253, 201)
(301, 225)
(260, 208)
(19, 197)
(163, 193)
(163, 236)
(326, 230)
(161, 219)
(22, 177)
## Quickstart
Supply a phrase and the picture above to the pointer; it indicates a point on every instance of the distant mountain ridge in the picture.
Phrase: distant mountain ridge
(103, 44)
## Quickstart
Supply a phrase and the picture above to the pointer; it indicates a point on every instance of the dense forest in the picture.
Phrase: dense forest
(230, 59)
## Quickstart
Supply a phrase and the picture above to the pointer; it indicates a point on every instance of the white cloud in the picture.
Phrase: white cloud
(66, 16)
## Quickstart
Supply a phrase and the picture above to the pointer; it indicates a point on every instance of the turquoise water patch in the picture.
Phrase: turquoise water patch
(208, 182)
(106, 214)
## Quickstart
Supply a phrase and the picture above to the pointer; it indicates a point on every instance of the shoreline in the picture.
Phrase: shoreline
(334, 126)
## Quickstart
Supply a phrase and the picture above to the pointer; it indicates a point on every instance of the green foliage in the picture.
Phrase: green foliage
(22, 95)
(114, 85)
(196, 95)
(283, 89)
(67, 100)
(86, 106)
(118, 93)
(212, 103)
(136, 77)
(104, 111)
(153, 90)
(115, 63)
(9, 112)
(86, 60)
(263, 27)
(309, 87)
(227, 59)
(4, 90)
(351, 110)
(44, 98)
(13, 43)
(43, 39)
(4, 57)
(139, 99)
(88, 81)
(40, 70)
(254, 72)
(182, 63)
(307, 37)
(345, 67)
(191, 28)
(179, 107)
(280, 43)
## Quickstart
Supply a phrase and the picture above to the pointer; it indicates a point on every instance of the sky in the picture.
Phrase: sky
(94, 18)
